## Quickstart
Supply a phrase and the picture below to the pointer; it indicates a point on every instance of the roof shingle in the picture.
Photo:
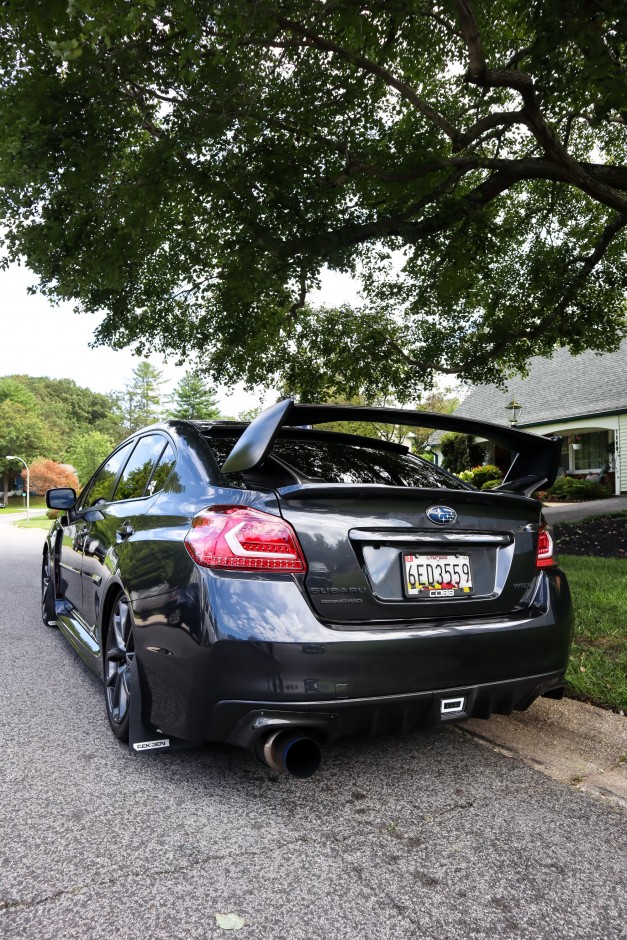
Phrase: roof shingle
(556, 389)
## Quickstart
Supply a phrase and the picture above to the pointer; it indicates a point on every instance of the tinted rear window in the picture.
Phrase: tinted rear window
(341, 462)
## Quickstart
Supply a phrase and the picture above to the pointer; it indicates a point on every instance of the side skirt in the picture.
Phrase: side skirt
(75, 630)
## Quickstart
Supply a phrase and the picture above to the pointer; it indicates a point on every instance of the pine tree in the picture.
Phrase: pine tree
(193, 399)
(141, 398)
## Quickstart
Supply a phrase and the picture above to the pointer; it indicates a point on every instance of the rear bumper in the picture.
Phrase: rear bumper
(243, 723)
(259, 647)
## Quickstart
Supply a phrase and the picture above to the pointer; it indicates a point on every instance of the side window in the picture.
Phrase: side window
(137, 471)
(164, 468)
(102, 485)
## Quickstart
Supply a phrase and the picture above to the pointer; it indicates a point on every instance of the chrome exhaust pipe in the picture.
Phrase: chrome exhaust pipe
(291, 752)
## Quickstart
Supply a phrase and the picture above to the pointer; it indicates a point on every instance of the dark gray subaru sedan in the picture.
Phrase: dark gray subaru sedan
(277, 585)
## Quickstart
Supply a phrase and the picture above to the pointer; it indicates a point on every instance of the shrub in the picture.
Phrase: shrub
(491, 484)
(481, 475)
(572, 488)
(459, 452)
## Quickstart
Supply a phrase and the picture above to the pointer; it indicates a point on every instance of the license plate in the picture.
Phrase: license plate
(437, 576)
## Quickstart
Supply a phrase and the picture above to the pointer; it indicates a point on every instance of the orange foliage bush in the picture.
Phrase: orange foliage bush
(46, 474)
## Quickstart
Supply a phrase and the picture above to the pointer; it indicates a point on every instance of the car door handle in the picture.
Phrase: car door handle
(125, 531)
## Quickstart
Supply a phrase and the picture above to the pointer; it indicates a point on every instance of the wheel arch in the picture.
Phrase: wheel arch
(114, 589)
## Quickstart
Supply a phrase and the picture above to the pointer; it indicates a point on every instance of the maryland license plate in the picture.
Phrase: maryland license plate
(437, 576)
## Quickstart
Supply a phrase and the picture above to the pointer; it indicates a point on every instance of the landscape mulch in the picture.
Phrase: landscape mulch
(603, 537)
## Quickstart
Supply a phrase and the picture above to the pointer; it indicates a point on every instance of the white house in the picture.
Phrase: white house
(583, 398)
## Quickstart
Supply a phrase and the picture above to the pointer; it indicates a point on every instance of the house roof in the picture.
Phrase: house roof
(557, 389)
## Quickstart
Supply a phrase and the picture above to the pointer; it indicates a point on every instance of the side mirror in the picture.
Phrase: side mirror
(60, 498)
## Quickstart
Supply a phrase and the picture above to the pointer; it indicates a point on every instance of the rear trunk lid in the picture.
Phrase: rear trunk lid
(374, 553)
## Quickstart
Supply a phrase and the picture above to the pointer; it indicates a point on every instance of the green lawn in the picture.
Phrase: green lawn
(41, 522)
(18, 504)
(598, 662)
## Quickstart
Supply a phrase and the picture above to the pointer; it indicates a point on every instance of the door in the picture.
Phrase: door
(75, 541)
(111, 531)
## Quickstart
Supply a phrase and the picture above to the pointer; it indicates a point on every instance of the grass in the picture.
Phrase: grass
(597, 671)
(18, 504)
(41, 522)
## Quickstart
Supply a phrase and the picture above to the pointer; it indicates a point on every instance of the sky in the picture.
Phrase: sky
(39, 338)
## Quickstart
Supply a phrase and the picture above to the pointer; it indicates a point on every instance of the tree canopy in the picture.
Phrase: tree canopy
(189, 168)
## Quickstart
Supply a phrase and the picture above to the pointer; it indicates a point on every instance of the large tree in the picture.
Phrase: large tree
(22, 434)
(86, 452)
(189, 168)
(192, 398)
(140, 401)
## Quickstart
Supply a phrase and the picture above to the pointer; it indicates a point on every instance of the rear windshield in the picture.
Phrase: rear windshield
(342, 462)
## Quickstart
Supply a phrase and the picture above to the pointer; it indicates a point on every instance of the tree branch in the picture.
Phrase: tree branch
(479, 74)
(398, 225)
(299, 303)
(590, 261)
(496, 119)
(372, 68)
(412, 360)
(476, 60)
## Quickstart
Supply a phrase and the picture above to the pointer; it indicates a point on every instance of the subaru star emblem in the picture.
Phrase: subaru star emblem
(441, 515)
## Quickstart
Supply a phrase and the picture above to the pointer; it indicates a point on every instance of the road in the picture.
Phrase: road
(428, 836)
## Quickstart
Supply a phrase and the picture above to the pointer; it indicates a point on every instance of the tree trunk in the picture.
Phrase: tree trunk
(5, 487)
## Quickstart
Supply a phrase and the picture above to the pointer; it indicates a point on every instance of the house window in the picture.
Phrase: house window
(593, 454)
(565, 455)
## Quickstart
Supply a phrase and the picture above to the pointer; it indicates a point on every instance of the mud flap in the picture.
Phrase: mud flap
(141, 739)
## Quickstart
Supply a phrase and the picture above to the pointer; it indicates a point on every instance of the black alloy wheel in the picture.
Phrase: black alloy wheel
(119, 657)
(48, 611)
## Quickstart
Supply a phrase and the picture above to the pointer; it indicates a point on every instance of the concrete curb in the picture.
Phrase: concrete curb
(578, 744)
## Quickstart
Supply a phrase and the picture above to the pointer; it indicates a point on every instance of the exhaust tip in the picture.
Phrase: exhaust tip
(292, 752)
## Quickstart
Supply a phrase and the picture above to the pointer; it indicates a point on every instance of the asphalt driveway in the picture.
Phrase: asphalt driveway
(575, 512)
(432, 835)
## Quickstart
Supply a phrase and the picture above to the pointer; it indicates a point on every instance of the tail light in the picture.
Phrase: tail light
(238, 537)
(547, 555)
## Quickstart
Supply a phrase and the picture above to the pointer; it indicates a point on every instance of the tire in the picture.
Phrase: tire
(48, 610)
(119, 656)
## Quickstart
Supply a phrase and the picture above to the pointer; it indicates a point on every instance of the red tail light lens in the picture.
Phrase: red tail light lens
(237, 537)
(547, 556)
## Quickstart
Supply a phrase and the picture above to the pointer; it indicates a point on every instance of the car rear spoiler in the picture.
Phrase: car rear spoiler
(535, 463)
